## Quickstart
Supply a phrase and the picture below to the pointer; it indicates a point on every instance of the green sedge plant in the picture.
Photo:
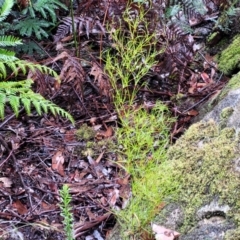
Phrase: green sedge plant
(143, 136)
(131, 58)
(18, 93)
(143, 141)
(66, 212)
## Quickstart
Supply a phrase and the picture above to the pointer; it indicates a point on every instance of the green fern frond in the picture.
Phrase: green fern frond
(2, 104)
(35, 26)
(5, 28)
(3, 70)
(14, 102)
(48, 7)
(6, 55)
(19, 92)
(6, 9)
(22, 65)
(27, 105)
(9, 41)
(30, 48)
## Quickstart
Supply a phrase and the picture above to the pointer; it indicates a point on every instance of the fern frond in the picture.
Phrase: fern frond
(2, 104)
(48, 7)
(22, 65)
(84, 26)
(6, 9)
(19, 92)
(6, 55)
(14, 102)
(27, 105)
(35, 26)
(30, 48)
(9, 41)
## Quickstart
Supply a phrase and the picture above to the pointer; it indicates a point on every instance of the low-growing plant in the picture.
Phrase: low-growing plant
(66, 212)
(144, 139)
(143, 136)
(17, 93)
(37, 16)
(133, 55)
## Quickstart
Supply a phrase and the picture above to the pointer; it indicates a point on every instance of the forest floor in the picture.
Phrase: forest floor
(38, 154)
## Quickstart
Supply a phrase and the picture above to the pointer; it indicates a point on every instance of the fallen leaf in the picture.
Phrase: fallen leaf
(163, 233)
(6, 182)
(21, 209)
(104, 134)
(192, 113)
(57, 162)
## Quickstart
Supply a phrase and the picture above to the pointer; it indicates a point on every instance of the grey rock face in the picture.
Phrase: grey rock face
(227, 111)
(208, 232)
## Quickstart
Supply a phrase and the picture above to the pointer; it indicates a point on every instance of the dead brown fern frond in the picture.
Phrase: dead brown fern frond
(83, 26)
(71, 71)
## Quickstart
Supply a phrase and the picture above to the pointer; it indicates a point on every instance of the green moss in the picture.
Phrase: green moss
(233, 84)
(232, 234)
(85, 133)
(226, 113)
(212, 36)
(229, 59)
(90, 145)
(203, 166)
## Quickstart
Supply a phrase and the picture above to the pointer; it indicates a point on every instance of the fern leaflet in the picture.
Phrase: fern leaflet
(5, 9)
(31, 26)
(19, 92)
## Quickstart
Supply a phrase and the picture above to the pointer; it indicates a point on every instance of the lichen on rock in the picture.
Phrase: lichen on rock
(203, 164)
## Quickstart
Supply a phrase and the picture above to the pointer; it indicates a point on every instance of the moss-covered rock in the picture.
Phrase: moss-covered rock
(203, 161)
(229, 59)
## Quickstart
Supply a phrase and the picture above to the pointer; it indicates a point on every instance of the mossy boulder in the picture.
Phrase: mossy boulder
(205, 164)
(229, 59)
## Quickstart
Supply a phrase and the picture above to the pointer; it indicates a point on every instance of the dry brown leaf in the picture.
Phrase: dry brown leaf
(7, 182)
(192, 113)
(57, 162)
(206, 78)
(21, 209)
(70, 135)
(104, 134)
(91, 215)
(46, 206)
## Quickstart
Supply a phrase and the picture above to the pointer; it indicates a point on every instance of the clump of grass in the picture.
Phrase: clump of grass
(134, 54)
(144, 139)
(143, 135)
(66, 212)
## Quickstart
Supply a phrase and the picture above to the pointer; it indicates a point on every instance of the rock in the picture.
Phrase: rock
(206, 164)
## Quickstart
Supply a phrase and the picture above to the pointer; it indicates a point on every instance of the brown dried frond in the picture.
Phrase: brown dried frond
(83, 26)
(72, 71)
(101, 80)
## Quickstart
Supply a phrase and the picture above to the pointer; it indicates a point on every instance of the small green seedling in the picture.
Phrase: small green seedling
(66, 212)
